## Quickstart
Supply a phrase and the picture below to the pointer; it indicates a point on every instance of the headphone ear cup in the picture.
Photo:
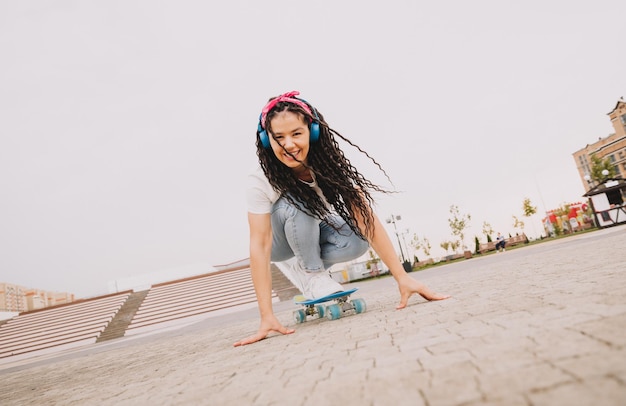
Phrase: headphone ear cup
(265, 140)
(314, 131)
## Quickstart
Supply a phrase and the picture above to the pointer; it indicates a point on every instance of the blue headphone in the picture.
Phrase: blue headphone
(314, 131)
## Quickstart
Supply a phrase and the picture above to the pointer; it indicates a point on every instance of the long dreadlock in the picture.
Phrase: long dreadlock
(343, 186)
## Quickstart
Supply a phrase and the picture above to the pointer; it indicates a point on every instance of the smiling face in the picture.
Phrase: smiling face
(290, 141)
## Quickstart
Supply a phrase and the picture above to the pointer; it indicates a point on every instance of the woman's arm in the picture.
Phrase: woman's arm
(260, 251)
(381, 243)
(260, 254)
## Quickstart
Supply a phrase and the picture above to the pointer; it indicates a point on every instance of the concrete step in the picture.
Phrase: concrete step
(281, 285)
(117, 327)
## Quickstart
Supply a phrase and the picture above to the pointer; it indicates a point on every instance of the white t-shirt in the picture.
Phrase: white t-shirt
(261, 196)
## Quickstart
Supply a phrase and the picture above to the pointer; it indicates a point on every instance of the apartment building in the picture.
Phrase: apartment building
(612, 147)
(15, 298)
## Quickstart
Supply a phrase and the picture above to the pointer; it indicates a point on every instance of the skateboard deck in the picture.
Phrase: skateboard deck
(314, 307)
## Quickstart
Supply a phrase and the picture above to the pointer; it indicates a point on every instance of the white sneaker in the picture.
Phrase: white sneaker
(320, 285)
(313, 285)
(296, 275)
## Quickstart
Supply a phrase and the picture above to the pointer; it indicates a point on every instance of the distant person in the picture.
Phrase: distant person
(308, 205)
(500, 243)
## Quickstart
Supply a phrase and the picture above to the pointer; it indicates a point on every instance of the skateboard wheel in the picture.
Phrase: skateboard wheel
(321, 310)
(299, 316)
(359, 305)
(333, 312)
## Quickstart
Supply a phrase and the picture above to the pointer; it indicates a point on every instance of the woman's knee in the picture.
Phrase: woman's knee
(284, 210)
(361, 246)
(354, 246)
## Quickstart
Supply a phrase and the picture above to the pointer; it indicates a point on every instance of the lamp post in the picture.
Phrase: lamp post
(592, 182)
(605, 173)
(393, 219)
(406, 247)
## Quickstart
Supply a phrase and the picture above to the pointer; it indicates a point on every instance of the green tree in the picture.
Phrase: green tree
(445, 245)
(454, 245)
(598, 165)
(421, 244)
(373, 259)
(561, 212)
(529, 210)
(487, 230)
(557, 229)
(476, 244)
(517, 223)
(458, 223)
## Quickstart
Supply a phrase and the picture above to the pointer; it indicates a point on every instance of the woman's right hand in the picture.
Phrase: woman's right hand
(409, 286)
(268, 324)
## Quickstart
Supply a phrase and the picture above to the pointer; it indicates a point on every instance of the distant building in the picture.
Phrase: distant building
(576, 219)
(15, 298)
(607, 196)
(612, 147)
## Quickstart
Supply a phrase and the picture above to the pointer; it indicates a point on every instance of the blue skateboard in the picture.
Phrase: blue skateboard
(314, 307)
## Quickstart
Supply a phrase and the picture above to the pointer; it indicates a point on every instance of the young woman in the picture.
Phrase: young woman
(309, 208)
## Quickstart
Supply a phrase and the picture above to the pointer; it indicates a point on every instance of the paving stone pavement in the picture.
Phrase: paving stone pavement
(537, 325)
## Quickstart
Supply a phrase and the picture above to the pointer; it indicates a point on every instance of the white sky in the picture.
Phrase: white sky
(127, 127)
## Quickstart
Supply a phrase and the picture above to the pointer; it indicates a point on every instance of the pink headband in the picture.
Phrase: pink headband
(286, 97)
